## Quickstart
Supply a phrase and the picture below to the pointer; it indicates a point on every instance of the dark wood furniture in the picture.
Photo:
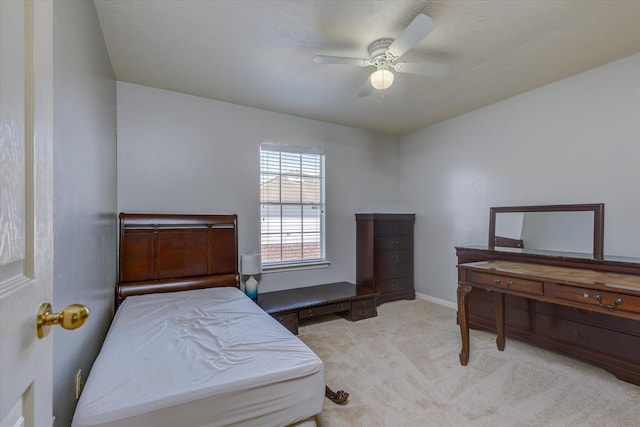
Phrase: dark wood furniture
(613, 297)
(291, 305)
(167, 253)
(597, 209)
(536, 313)
(384, 255)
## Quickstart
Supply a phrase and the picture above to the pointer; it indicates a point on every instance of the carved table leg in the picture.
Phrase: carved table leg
(463, 315)
(340, 397)
(499, 301)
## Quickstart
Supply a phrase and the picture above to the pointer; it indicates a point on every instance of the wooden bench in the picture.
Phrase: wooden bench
(292, 305)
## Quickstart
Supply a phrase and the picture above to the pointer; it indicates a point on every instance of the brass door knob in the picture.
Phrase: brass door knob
(72, 317)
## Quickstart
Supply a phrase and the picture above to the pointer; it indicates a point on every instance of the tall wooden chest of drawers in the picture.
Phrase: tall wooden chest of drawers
(384, 255)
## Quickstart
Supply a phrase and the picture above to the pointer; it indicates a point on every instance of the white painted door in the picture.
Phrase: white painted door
(26, 200)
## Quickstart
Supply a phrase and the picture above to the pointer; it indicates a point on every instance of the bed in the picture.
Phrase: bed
(186, 347)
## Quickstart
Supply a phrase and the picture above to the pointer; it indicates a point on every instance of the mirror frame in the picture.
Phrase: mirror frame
(596, 208)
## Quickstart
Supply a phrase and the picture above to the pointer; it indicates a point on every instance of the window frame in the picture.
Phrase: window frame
(299, 262)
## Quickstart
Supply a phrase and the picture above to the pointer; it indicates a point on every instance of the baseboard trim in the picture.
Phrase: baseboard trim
(437, 300)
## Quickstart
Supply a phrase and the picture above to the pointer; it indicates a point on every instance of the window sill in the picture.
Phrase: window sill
(292, 267)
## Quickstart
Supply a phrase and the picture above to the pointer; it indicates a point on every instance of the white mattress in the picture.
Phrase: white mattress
(208, 357)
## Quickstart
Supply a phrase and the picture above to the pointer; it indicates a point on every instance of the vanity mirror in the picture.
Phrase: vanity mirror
(577, 228)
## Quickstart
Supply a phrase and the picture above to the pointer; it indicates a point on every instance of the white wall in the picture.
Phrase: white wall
(184, 154)
(573, 141)
(84, 192)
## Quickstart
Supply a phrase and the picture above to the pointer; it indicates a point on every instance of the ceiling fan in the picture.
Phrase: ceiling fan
(384, 53)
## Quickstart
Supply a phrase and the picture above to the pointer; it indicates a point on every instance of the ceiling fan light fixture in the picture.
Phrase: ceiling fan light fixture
(381, 79)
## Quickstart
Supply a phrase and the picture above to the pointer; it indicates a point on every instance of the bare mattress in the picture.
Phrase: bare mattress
(205, 357)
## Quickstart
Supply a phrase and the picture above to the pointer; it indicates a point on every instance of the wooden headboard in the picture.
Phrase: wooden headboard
(167, 253)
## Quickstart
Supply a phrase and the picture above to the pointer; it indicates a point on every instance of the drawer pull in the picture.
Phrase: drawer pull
(507, 286)
(309, 312)
(616, 302)
(582, 335)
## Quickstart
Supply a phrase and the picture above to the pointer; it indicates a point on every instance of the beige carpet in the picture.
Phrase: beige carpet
(401, 369)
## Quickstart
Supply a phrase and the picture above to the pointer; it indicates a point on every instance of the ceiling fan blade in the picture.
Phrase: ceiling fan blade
(366, 89)
(415, 31)
(339, 60)
(422, 68)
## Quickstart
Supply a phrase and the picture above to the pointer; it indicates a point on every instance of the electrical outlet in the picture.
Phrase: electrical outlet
(78, 383)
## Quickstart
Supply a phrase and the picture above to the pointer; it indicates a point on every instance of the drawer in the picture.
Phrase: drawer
(393, 257)
(505, 282)
(363, 309)
(610, 300)
(289, 321)
(509, 300)
(393, 271)
(514, 317)
(321, 310)
(600, 340)
(394, 285)
(393, 243)
(585, 315)
(393, 228)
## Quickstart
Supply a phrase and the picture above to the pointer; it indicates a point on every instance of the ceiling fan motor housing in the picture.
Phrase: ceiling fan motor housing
(378, 51)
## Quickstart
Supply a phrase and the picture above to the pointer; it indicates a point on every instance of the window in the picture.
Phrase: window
(291, 205)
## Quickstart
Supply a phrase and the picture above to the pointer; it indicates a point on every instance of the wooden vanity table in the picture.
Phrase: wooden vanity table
(585, 305)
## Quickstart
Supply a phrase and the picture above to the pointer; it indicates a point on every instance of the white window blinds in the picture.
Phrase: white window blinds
(291, 204)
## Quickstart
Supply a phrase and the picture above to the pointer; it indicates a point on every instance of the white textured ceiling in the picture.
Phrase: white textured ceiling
(259, 53)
